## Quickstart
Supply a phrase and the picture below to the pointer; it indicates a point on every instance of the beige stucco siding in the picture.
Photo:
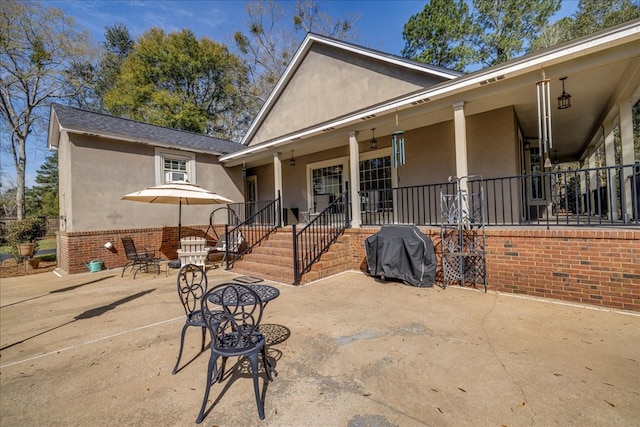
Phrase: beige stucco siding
(265, 181)
(64, 182)
(329, 84)
(491, 143)
(430, 155)
(104, 170)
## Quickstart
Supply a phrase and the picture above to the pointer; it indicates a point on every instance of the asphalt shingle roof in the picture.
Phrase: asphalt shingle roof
(73, 118)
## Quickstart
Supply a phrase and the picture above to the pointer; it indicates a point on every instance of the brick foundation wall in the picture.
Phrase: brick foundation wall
(598, 267)
(77, 248)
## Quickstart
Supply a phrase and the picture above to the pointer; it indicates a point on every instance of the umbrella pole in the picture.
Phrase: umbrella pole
(180, 224)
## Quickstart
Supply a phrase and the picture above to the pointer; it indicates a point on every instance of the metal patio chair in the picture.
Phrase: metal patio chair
(232, 314)
(139, 259)
(192, 285)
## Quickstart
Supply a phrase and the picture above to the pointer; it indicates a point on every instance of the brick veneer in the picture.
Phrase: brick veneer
(599, 267)
(76, 248)
(595, 266)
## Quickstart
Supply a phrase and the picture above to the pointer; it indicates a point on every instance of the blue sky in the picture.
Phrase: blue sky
(379, 27)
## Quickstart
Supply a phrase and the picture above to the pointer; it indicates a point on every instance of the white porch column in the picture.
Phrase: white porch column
(277, 180)
(354, 179)
(460, 129)
(628, 157)
(610, 161)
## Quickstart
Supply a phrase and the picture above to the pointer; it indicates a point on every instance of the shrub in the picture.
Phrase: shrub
(27, 230)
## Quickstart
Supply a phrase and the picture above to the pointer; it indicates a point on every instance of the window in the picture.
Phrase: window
(376, 183)
(175, 170)
(173, 165)
(327, 181)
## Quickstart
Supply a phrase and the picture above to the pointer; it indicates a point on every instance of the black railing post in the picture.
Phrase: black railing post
(346, 205)
(226, 245)
(296, 270)
(279, 210)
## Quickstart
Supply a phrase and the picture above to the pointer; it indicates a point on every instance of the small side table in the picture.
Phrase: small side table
(173, 263)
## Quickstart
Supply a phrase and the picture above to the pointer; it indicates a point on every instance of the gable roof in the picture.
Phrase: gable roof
(313, 41)
(593, 55)
(75, 120)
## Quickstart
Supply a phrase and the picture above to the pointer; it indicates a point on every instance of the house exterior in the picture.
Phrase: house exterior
(101, 158)
(313, 141)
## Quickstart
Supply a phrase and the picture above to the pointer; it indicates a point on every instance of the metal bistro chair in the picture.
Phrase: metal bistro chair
(233, 313)
(139, 259)
(192, 285)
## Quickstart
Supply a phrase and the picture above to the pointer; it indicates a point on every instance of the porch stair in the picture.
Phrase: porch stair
(273, 259)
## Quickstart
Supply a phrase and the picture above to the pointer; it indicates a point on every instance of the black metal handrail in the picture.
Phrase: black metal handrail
(315, 238)
(253, 230)
(604, 196)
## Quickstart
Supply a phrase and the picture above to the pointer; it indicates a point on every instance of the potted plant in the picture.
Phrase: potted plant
(23, 235)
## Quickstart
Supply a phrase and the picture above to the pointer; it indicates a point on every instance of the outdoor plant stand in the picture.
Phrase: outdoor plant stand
(463, 236)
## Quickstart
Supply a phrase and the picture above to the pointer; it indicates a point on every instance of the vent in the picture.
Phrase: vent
(491, 80)
(371, 116)
(421, 101)
(328, 129)
(297, 138)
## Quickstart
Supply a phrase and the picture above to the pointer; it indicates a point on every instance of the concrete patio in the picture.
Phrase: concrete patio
(96, 349)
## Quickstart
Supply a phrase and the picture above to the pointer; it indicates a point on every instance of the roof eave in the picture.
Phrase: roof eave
(117, 137)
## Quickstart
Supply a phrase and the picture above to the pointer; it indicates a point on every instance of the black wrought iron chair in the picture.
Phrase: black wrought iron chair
(192, 285)
(233, 313)
(139, 259)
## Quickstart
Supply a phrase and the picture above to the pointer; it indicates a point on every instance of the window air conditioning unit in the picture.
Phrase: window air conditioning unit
(175, 176)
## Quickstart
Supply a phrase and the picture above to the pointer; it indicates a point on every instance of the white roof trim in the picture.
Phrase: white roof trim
(506, 70)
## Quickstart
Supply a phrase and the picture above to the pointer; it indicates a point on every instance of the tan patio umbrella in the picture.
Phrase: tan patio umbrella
(177, 193)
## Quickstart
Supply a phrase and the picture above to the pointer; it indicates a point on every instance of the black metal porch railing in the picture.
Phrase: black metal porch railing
(259, 220)
(606, 196)
(315, 238)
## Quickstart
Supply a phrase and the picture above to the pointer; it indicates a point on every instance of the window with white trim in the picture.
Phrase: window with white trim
(174, 165)
(377, 179)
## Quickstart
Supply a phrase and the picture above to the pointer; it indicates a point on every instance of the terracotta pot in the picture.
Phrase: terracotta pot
(34, 263)
(26, 249)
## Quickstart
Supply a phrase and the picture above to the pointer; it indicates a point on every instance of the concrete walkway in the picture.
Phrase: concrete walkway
(93, 349)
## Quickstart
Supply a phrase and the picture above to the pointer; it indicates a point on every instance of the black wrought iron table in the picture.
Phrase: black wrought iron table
(265, 292)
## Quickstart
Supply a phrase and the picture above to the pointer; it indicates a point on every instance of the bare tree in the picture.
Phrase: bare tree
(270, 42)
(38, 46)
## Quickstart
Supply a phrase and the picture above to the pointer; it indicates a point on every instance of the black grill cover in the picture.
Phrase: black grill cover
(402, 252)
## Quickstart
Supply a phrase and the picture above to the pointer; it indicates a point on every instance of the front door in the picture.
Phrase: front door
(250, 195)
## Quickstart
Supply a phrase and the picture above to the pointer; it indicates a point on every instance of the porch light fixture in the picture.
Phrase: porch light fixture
(244, 172)
(292, 161)
(564, 100)
(545, 141)
(373, 141)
